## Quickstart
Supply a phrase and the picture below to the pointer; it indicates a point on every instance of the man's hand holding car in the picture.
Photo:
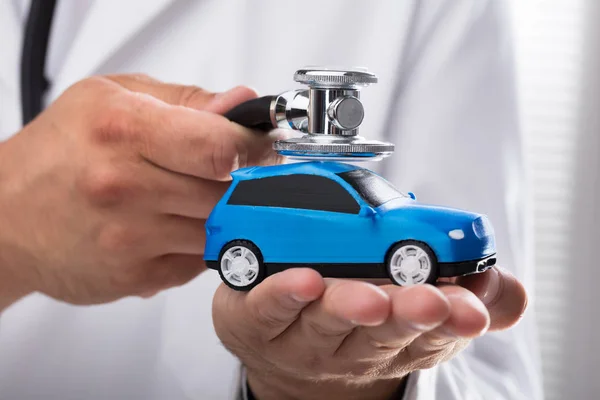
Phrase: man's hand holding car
(304, 337)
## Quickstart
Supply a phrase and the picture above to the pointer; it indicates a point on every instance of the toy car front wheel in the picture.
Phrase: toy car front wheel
(241, 265)
(411, 263)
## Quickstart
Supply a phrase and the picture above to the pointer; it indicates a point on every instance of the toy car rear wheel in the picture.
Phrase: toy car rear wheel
(411, 263)
(241, 265)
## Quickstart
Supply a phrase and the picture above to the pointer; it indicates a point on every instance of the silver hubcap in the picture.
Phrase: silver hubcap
(410, 265)
(239, 266)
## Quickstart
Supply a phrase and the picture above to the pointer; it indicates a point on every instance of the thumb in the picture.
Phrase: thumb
(223, 102)
(184, 95)
(503, 295)
(270, 307)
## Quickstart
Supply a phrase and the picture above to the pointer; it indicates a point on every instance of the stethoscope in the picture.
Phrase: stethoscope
(33, 58)
(328, 111)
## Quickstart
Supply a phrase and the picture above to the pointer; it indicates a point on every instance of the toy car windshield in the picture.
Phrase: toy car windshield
(372, 188)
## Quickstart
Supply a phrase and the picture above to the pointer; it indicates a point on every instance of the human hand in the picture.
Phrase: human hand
(105, 194)
(304, 337)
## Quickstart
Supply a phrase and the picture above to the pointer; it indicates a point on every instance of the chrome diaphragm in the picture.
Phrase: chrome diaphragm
(330, 148)
(329, 114)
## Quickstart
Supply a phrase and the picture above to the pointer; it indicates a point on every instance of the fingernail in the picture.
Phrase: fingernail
(492, 288)
(423, 327)
(299, 298)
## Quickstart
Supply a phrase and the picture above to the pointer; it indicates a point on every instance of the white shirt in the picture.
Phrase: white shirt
(68, 17)
(446, 97)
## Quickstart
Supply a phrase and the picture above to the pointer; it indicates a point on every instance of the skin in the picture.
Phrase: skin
(304, 337)
(106, 193)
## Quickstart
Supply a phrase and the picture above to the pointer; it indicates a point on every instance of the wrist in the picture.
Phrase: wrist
(13, 285)
(269, 386)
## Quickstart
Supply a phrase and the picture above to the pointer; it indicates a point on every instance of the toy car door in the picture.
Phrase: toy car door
(304, 219)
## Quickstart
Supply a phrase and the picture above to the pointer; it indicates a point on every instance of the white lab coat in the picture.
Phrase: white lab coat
(446, 97)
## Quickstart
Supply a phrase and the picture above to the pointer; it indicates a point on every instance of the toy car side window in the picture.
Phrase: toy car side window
(312, 192)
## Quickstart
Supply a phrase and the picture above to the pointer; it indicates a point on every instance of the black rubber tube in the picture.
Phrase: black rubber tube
(254, 114)
(33, 57)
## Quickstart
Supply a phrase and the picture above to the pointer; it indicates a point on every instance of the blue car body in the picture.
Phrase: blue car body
(357, 228)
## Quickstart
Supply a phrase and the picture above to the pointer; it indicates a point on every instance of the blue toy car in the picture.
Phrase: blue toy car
(343, 221)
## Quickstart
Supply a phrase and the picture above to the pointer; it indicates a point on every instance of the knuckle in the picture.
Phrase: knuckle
(107, 123)
(192, 96)
(88, 100)
(267, 318)
(94, 84)
(114, 118)
(224, 158)
(324, 332)
(105, 187)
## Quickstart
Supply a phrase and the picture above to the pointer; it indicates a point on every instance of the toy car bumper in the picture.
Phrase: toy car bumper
(212, 264)
(448, 270)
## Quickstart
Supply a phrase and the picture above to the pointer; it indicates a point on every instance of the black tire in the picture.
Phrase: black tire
(260, 275)
(434, 268)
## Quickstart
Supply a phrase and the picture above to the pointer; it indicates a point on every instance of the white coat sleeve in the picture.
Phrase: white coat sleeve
(455, 124)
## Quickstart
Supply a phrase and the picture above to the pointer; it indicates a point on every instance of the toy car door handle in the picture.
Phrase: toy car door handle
(329, 112)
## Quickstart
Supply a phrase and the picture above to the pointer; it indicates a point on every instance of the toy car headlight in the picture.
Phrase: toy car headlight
(482, 227)
(456, 234)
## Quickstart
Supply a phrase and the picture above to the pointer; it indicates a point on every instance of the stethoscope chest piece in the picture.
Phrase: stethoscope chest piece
(329, 113)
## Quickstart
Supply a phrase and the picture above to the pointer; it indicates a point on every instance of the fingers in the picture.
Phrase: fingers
(204, 145)
(503, 295)
(415, 310)
(192, 140)
(178, 139)
(179, 235)
(344, 306)
(183, 195)
(469, 317)
(185, 95)
(223, 102)
(270, 307)
(140, 186)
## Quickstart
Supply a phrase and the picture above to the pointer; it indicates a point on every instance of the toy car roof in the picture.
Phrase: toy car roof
(323, 168)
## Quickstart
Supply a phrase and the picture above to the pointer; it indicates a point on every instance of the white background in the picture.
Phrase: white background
(556, 53)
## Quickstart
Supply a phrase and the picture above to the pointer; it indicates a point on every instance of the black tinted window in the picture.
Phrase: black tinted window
(371, 187)
(295, 191)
